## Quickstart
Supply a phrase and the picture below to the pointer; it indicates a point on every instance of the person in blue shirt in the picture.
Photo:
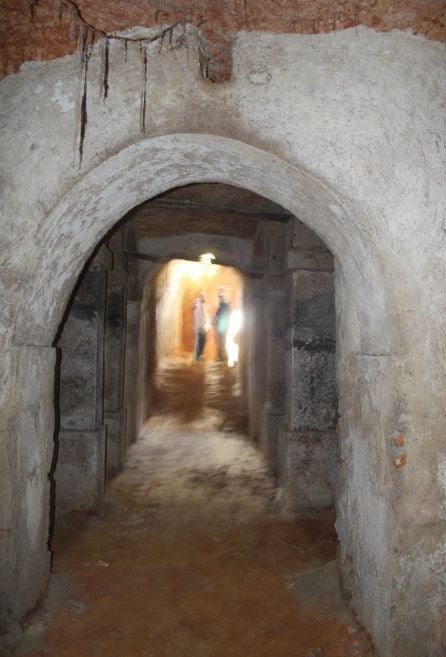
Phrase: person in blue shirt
(221, 323)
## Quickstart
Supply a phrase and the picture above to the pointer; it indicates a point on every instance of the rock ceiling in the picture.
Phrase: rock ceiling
(204, 208)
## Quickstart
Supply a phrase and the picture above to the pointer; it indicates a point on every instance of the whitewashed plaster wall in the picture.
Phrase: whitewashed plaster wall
(347, 132)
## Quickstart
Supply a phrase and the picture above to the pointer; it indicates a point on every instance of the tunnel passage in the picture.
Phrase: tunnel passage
(122, 326)
(128, 374)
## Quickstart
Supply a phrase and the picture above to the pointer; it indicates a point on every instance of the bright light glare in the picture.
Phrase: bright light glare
(235, 324)
(206, 258)
(192, 270)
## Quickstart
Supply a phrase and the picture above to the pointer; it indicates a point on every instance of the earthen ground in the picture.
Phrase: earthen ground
(191, 555)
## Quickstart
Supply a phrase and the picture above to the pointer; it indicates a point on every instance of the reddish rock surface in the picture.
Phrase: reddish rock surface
(33, 30)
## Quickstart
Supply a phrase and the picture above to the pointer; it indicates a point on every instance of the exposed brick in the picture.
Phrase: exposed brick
(399, 440)
(400, 461)
(39, 34)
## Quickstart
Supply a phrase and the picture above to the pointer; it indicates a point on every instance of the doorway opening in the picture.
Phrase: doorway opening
(214, 454)
(197, 350)
(130, 345)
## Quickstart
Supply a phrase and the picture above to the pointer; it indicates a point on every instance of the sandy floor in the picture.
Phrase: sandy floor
(190, 556)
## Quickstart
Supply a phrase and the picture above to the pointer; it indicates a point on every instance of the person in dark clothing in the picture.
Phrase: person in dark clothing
(221, 323)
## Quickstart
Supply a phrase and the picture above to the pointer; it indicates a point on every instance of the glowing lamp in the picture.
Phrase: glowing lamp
(206, 258)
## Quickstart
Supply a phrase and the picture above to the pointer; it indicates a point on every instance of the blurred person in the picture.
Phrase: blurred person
(221, 323)
(201, 325)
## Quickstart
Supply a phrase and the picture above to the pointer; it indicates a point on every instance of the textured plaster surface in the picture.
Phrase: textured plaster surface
(308, 466)
(82, 345)
(346, 131)
(308, 444)
(346, 99)
(26, 431)
(311, 387)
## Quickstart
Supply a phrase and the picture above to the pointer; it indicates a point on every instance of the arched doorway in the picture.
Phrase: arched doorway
(102, 197)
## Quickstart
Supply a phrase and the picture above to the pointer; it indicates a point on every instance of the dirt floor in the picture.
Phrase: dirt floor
(190, 554)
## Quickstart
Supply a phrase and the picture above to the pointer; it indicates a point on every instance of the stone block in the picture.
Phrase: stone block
(115, 443)
(311, 394)
(277, 243)
(80, 472)
(313, 260)
(81, 356)
(270, 425)
(308, 465)
(114, 345)
(26, 447)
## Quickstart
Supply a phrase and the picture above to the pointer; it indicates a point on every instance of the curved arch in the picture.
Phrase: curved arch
(143, 170)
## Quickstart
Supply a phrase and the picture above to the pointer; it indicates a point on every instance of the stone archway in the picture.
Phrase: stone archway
(94, 205)
(366, 368)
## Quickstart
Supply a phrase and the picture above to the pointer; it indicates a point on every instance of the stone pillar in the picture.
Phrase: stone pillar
(134, 296)
(391, 509)
(274, 401)
(146, 342)
(80, 472)
(309, 444)
(274, 345)
(26, 449)
(131, 371)
(114, 350)
(255, 366)
(308, 447)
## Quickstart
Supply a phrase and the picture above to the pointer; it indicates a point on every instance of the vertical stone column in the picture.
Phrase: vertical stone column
(131, 371)
(255, 366)
(308, 451)
(391, 518)
(254, 332)
(130, 393)
(274, 346)
(80, 472)
(114, 350)
(26, 449)
(146, 342)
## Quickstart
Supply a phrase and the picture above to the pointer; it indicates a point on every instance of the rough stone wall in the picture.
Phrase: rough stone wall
(131, 370)
(355, 149)
(312, 398)
(91, 442)
(146, 344)
(114, 355)
(311, 392)
(81, 344)
(81, 441)
(308, 444)
(273, 352)
(26, 430)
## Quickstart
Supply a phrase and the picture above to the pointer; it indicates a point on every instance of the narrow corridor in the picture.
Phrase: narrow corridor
(190, 554)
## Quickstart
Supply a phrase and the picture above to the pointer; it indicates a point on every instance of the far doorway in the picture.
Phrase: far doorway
(190, 382)
(178, 287)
